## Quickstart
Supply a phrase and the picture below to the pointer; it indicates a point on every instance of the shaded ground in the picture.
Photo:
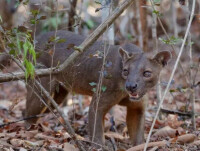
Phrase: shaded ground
(48, 134)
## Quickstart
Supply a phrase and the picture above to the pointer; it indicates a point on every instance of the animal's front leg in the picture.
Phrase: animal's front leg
(135, 120)
(96, 126)
(135, 124)
(97, 112)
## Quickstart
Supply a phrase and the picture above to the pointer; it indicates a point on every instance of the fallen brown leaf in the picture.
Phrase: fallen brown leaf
(196, 142)
(172, 121)
(116, 136)
(32, 145)
(22, 149)
(167, 132)
(16, 142)
(187, 138)
(69, 147)
(45, 137)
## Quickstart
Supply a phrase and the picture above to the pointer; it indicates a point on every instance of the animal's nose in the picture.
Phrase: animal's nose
(131, 86)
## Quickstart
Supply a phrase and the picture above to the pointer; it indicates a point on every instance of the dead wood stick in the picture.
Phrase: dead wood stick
(23, 119)
(189, 114)
(152, 144)
(86, 43)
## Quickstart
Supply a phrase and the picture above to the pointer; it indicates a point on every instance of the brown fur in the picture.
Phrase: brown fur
(85, 69)
(7, 11)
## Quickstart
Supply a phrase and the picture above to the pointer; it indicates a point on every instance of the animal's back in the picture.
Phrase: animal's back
(85, 68)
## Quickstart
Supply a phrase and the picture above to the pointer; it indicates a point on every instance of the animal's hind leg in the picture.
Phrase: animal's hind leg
(97, 112)
(60, 93)
(34, 105)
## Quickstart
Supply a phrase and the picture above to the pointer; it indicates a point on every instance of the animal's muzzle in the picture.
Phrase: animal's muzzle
(131, 87)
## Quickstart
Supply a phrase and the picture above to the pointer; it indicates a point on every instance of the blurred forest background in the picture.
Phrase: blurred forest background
(153, 25)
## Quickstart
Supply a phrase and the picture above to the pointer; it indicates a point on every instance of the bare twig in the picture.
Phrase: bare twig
(172, 74)
(174, 17)
(107, 8)
(139, 24)
(72, 14)
(23, 119)
(192, 91)
(189, 114)
(144, 24)
(165, 32)
(155, 46)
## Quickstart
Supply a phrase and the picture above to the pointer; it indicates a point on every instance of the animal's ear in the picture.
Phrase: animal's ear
(162, 57)
(124, 54)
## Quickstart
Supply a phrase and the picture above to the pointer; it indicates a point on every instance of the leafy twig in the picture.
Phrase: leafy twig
(165, 32)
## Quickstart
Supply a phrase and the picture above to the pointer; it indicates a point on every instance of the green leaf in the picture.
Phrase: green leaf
(157, 13)
(28, 47)
(25, 47)
(156, 1)
(30, 69)
(34, 12)
(90, 24)
(129, 36)
(25, 2)
(172, 41)
(53, 39)
(92, 84)
(97, 2)
(12, 52)
(94, 90)
(33, 21)
(172, 90)
(103, 88)
(11, 45)
(61, 41)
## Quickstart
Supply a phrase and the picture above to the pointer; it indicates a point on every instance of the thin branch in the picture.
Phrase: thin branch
(192, 91)
(165, 32)
(189, 114)
(139, 24)
(86, 43)
(72, 14)
(172, 74)
(66, 124)
(23, 119)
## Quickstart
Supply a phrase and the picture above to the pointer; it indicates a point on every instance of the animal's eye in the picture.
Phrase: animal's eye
(125, 72)
(147, 74)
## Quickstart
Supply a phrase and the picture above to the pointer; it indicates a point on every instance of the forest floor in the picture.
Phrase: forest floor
(172, 132)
